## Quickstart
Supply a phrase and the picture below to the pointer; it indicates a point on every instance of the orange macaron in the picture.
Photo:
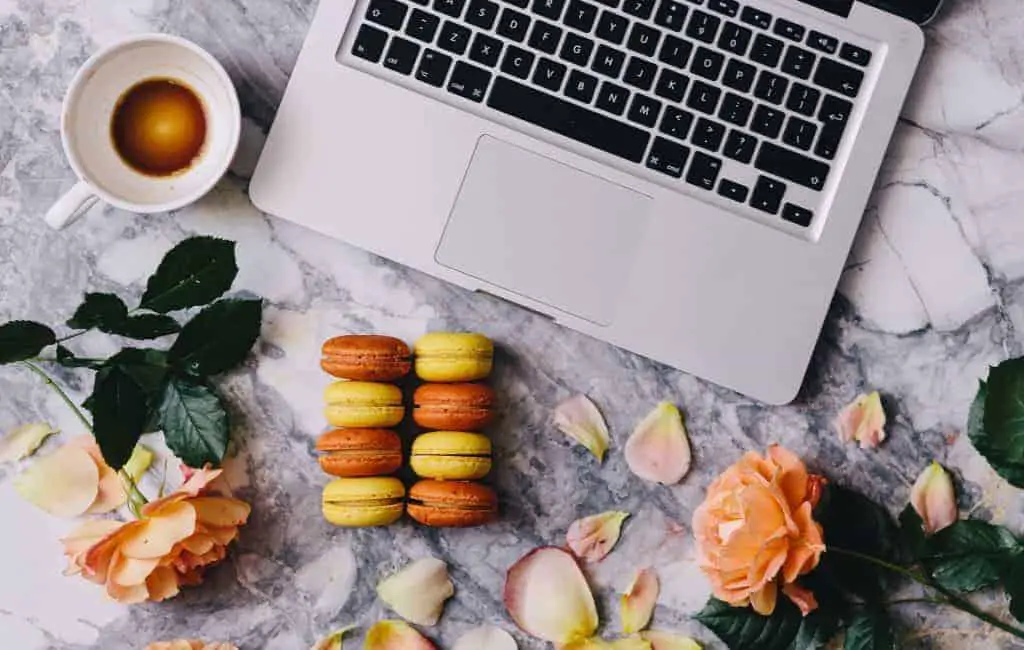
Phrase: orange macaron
(452, 504)
(353, 453)
(453, 407)
(366, 357)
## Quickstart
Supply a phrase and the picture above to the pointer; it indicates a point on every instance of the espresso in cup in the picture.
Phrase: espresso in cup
(159, 127)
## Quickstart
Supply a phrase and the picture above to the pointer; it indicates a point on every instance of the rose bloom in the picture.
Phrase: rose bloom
(183, 644)
(176, 539)
(755, 533)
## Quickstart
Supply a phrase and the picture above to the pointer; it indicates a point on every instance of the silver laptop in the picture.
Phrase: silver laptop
(681, 178)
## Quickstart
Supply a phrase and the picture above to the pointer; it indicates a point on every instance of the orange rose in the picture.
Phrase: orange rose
(755, 532)
(176, 539)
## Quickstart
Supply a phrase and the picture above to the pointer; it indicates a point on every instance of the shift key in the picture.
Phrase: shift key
(792, 166)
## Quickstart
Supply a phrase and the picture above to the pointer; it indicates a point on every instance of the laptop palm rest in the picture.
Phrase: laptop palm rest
(544, 230)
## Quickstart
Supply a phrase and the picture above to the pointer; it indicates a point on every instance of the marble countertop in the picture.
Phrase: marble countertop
(934, 292)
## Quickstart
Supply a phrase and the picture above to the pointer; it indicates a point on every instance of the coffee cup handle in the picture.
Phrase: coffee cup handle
(71, 206)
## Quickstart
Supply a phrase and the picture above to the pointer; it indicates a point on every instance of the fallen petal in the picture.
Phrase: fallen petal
(659, 449)
(934, 499)
(592, 538)
(140, 460)
(332, 641)
(862, 420)
(578, 418)
(639, 600)
(670, 641)
(486, 637)
(395, 635)
(23, 441)
(548, 597)
(65, 483)
(596, 643)
(418, 592)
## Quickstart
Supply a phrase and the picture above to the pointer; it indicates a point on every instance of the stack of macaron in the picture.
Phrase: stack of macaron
(453, 455)
(362, 451)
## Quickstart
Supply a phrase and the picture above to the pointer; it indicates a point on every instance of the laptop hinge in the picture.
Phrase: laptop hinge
(837, 7)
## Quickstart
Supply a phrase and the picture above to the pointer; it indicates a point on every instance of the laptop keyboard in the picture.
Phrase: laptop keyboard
(711, 95)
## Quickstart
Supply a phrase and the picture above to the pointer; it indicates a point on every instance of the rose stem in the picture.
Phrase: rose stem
(67, 400)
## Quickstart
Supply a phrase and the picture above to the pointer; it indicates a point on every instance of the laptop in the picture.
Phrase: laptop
(681, 178)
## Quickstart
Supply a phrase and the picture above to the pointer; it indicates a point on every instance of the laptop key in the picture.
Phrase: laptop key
(671, 15)
(517, 62)
(675, 52)
(644, 110)
(643, 39)
(771, 87)
(545, 37)
(581, 15)
(735, 39)
(702, 26)
(389, 13)
(766, 50)
(839, 78)
(485, 50)
(668, 157)
(513, 25)
(612, 98)
(482, 13)
(522, 4)
(756, 17)
(797, 215)
(639, 8)
(433, 67)
(549, 74)
(549, 8)
(401, 56)
(707, 63)
(676, 122)
(704, 170)
(727, 7)
(798, 62)
(370, 43)
(735, 109)
(581, 86)
(703, 98)
(454, 38)
(469, 81)
(640, 73)
(733, 190)
(739, 146)
(575, 122)
(799, 133)
(576, 49)
(767, 121)
(671, 85)
(611, 27)
(768, 194)
(451, 8)
(739, 75)
(803, 99)
(608, 61)
(790, 30)
(855, 54)
(422, 25)
(822, 42)
(708, 134)
(614, 4)
(791, 165)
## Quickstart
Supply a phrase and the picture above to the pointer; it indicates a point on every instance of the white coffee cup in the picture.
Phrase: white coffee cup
(89, 109)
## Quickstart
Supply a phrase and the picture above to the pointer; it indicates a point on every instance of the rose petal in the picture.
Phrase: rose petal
(221, 511)
(548, 597)
(184, 644)
(862, 420)
(934, 499)
(418, 592)
(23, 441)
(803, 598)
(333, 641)
(486, 637)
(596, 643)
(78, 542)
(196, 483)
(395, 635)
(592, 538)
(129, 572)
(158, 535)
(65, 483)
(140, 460)
(638, 601)
(659, 449)
(578, 418)
(670, 641)
(162, 584)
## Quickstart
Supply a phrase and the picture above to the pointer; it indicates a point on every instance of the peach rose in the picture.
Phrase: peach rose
(176, 539)
(184, 644)
(755, 533)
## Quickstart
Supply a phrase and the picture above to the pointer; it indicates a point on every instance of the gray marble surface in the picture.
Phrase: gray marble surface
(934, 292)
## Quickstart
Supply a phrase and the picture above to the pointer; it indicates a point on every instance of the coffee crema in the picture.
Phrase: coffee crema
(159, 127)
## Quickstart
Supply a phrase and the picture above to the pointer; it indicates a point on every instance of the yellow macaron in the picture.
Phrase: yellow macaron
(362, 502)
(363, 404)
(451, 455)
(453, 357)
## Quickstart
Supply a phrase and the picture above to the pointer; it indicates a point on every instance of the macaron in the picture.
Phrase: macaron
(451, 455)
(366, 357)
(453, 357)
(456, 407)
(360, 452)
(363, 404)
(362, 502)
(455, 504)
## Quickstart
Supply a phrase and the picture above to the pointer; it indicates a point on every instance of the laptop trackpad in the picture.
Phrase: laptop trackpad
(544, 230)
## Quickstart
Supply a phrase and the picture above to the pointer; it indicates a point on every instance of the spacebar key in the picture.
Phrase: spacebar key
(570, 120)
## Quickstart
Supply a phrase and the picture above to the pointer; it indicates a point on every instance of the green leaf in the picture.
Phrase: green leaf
(1014, 585)
(816, 630)
(22, 339)
(741, 628)
(870, 630)
(194, 422)
(970, 555)
(193, 273)
(146, 366)
(995, 423)
(218, 338)
(98, 310)
(144, 326)
(67, 358)
(119, 413)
